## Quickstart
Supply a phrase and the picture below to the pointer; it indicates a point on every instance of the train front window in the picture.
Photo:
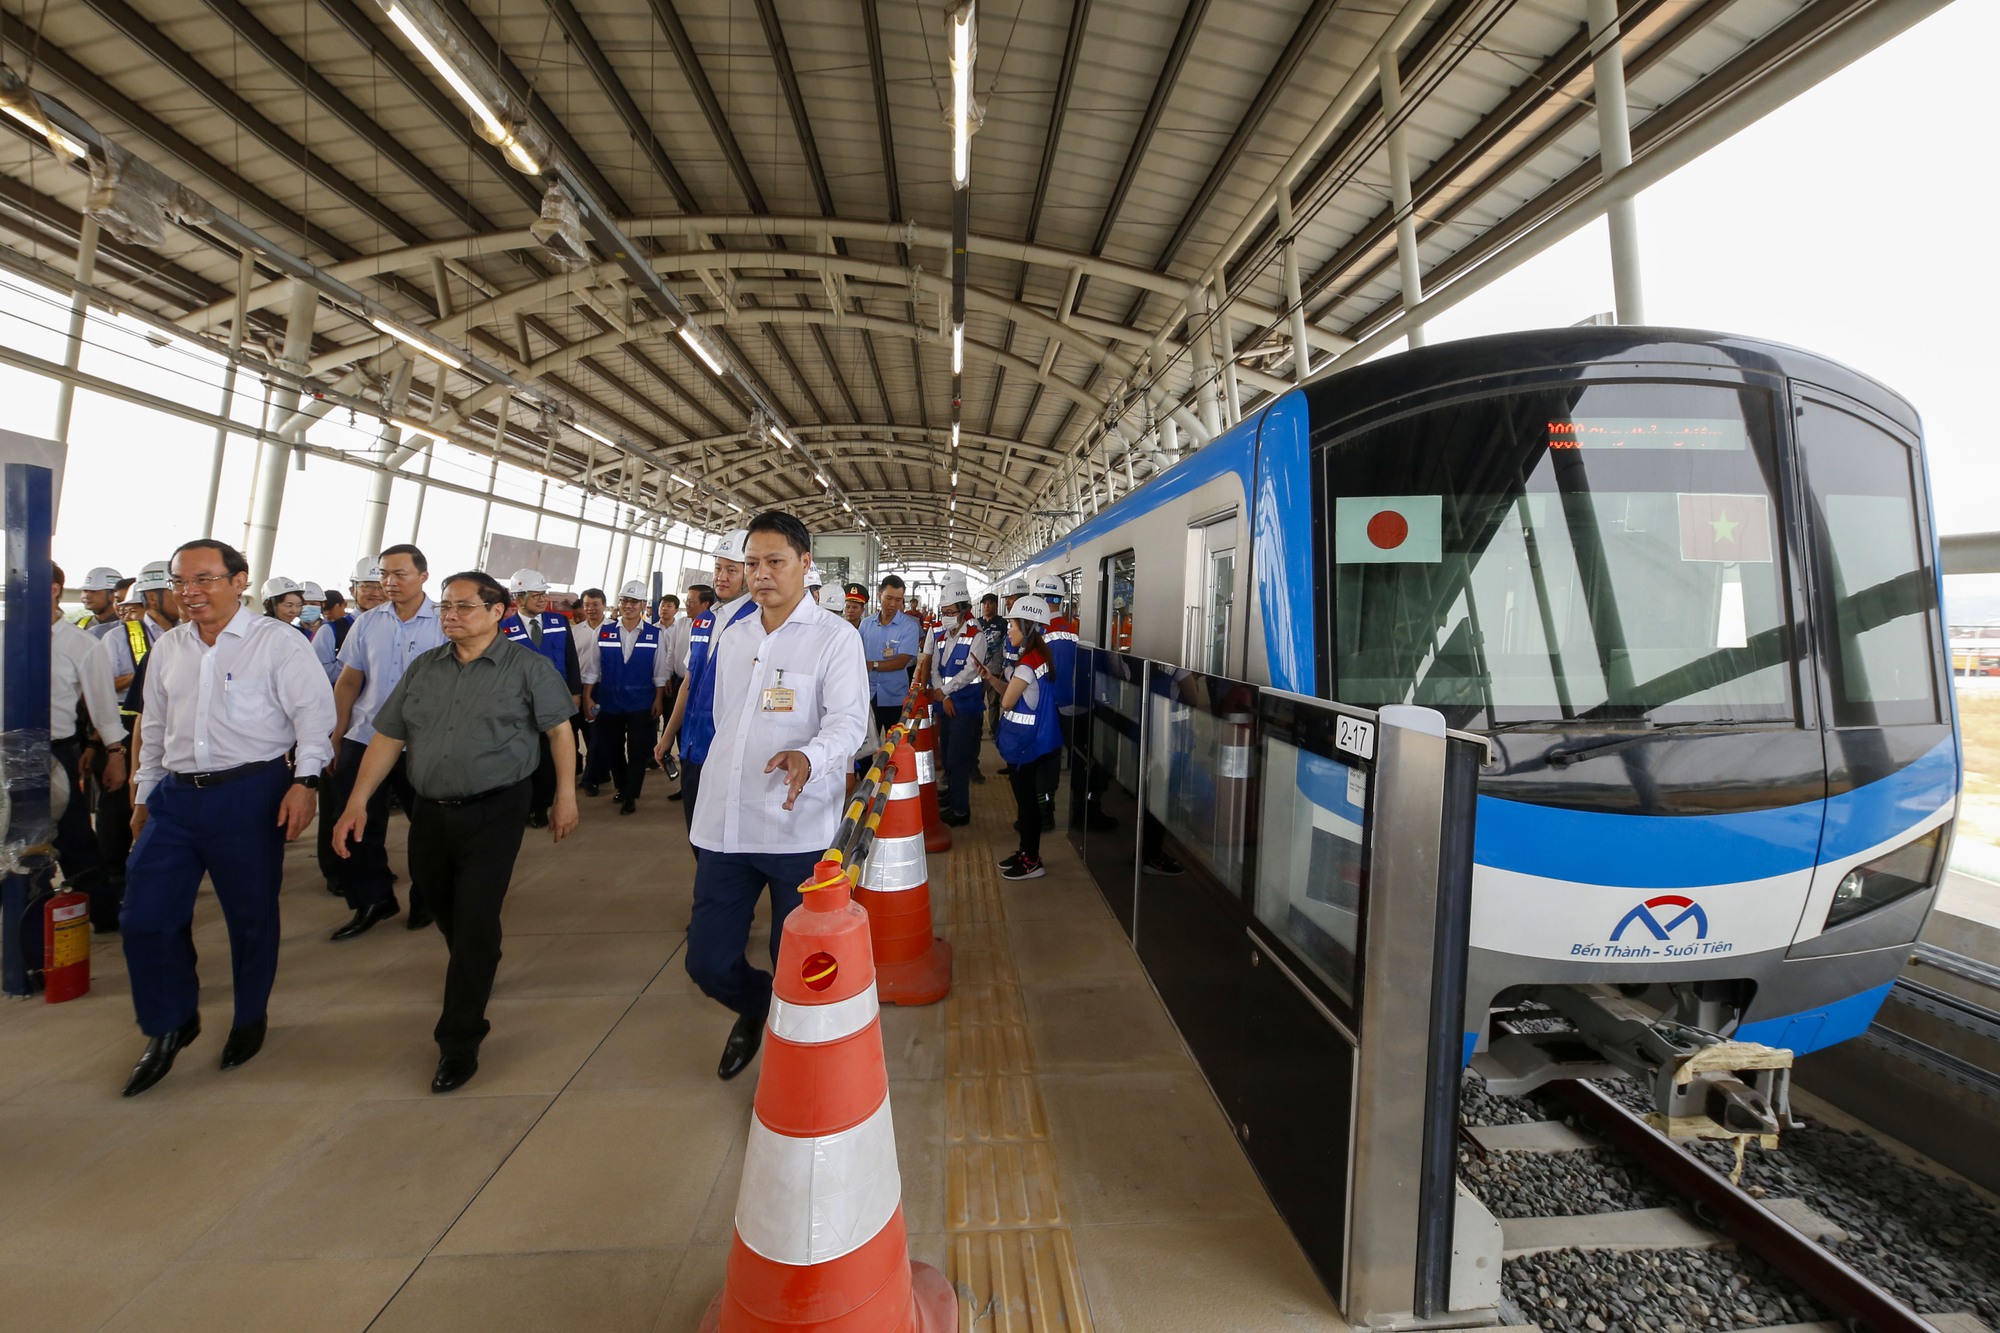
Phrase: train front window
(1599, 552)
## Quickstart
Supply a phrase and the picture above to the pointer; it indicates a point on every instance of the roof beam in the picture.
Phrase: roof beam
(635, 121)
(676, 32)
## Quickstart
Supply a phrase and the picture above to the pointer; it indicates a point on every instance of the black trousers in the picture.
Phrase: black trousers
(542, 786)
(887, 715)
(367, 879)
(464, 855)
(690, 789)
(77, 849)
(627, 739)
(1030, 781)
(114, 820)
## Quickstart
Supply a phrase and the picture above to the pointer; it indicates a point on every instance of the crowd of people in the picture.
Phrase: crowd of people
(199, 734)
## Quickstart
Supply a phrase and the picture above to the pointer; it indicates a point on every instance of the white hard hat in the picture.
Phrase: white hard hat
(102, 579)
(954, 592)
(278, 585)
(313, 592)
(133, 596)
(1014, 588)
(833, 598)
(734, 545)
(1050, 587)
(153, 578)
(636, 589)
(527, 580)
(1030, 608)
(367, 570)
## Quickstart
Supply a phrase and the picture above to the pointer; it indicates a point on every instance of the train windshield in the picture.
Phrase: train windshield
(1603, 552)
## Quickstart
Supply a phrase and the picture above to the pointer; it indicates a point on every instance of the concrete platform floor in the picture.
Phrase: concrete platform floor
(1062, 1160)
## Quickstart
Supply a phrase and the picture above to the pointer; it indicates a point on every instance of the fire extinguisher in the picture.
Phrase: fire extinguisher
(65, 946)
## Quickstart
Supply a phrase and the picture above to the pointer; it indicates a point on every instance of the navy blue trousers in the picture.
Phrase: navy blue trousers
(960, 736)
(726, 888)
(229, 833)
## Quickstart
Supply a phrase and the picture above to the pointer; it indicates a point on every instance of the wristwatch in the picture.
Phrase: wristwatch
(310, 784)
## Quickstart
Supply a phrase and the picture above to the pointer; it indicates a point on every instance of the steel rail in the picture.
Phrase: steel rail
(1840, 1289)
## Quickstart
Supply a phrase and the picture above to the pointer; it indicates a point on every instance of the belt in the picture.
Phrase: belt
(203, 781)
(454, 802)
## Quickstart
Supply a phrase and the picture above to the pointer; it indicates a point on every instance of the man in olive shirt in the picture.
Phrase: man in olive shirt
(471, 714)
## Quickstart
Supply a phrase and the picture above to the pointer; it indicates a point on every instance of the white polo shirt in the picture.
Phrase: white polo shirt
(817, 657)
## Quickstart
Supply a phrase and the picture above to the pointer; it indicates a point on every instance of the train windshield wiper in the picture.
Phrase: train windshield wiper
(1562, 756)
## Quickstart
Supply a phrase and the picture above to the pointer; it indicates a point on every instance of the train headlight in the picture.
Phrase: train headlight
(1890, 877)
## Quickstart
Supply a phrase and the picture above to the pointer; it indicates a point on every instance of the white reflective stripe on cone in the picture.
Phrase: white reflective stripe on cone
(894, 864)
(811, 1024)
(807, 1201)
(903, 791)
(925, 772)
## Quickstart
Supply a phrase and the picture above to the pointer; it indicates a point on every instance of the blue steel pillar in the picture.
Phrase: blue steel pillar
(24, 708)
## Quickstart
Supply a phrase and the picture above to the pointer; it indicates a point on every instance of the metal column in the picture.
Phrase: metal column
(493, 473)
(1232, 393)
(375, 516)
(24, 711)
(270, 495)
(1614, 148)
(1399, 191)
(246, 272)
(79, 316)
(1204, 377)
(1295, 302)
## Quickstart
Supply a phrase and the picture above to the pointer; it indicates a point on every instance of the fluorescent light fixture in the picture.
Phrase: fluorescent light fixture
(848, 507)
(732, 504)
(778, 434)
(954, 476)
(56, 138)
(822, 481)
(679, 478)
(958, 349)
(693, 340)
(593, 433)
(412, 340)
(416, 427)
(961, 96)
(954, 435)
(496, 128)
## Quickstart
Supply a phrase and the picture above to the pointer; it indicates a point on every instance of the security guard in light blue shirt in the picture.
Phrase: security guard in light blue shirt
(891, 641)
(535, 627)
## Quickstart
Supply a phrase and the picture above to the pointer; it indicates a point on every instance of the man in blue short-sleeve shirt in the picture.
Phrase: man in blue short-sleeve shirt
(892, 641)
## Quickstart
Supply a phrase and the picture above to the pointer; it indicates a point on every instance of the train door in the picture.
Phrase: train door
(1116, 575)
(1212, 581)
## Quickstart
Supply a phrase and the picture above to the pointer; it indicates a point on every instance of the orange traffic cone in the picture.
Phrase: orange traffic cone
(937, 834)
(820, 1241)
(911, 965)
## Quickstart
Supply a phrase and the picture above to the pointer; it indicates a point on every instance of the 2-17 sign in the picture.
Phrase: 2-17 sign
(1354, 735)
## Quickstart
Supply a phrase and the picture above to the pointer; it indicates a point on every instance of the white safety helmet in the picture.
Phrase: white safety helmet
(636, 589)
(1014, 588)
(1030, 608)
(954, 592)
(102, 579)
(133, 597)
(527, 580)
(367, 569)
(278, 586)
(313, 592)
(1051, 589)
(833, 598)
(153, 578)
(735, 545)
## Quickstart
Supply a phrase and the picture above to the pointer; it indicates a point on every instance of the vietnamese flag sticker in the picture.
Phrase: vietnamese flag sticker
(1388, 529)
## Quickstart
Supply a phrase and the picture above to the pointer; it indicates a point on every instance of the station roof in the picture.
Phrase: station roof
(785, 167)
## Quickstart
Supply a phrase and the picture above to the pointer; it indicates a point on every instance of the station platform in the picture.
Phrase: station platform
(1062, 1160)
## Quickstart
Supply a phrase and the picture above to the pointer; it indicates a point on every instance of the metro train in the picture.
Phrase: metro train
(1686, 584)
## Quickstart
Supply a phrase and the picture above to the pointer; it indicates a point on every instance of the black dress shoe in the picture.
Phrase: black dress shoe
(454, 1072)
(243, 1043)
(420, 913)
(673, 795)
(159, 1056)
(365, 919)
(954, 819)
(538, 819)
(591, 789)
(627, 806)
(737, 1052)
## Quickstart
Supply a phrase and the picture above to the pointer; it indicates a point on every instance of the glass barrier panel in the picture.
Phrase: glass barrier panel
(1106, 738)
(1201, 733)
(1311, 888)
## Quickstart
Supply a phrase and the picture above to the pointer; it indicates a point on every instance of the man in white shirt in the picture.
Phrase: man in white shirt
(228, 694)
(594, 767)
(80, 674)
(790, 707)
(624, 691)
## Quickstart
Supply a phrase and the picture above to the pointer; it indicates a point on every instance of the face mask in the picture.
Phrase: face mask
(311, 615)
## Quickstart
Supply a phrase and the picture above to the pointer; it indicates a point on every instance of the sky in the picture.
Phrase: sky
(1815, 227)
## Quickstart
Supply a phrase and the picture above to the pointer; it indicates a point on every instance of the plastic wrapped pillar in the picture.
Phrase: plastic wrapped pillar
(24, 708)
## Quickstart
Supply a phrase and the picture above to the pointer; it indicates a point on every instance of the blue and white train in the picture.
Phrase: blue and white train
(1686, 583)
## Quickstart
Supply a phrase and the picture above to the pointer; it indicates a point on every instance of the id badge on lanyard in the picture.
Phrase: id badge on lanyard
(779, 698)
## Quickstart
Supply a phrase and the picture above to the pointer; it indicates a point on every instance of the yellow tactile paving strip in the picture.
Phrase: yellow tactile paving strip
(1011, 1255)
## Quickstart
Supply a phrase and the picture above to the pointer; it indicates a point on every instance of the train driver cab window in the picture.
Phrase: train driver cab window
(1114, 625)
(1877, 594)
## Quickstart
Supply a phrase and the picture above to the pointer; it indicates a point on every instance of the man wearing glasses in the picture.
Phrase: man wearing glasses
(228, 693)
(469, 719)
(378, 650)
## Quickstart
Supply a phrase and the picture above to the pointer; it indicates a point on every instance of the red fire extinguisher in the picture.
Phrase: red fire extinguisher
(65, 946)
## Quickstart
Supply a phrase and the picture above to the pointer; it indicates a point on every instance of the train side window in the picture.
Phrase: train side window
(1116, 577)
(1877, 592)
